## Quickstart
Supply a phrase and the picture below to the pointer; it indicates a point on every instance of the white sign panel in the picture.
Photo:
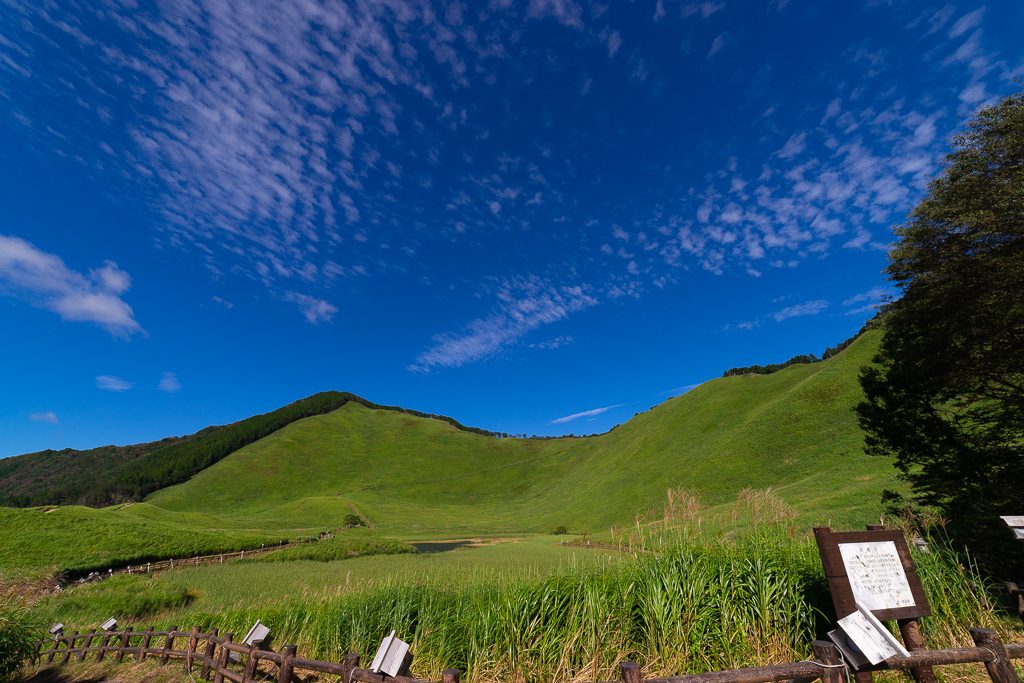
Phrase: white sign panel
(869, 635)
(390, 656)
(1013, 520)
(876, 575)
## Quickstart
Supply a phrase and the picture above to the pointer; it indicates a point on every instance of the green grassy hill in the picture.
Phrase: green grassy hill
(117, 474)
(793, 431)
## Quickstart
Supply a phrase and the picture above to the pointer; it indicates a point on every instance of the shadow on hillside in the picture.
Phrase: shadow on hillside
(52, 675)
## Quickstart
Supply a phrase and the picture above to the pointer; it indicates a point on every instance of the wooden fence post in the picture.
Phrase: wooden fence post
(71, 644)
(630, 672)
(208, 656)
(86, 642)
(1000, 669)
(144, 645)
(190, 650)
(104, 642)
(125, 644)
(912, 638)
(285, 674)
(827, 655)
(250, 665)
(168, 645)
(222, 659)
(450, 676)
(38, 652)
(351, 663)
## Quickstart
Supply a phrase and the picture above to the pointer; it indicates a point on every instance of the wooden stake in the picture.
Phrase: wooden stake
(71, 644)
(912, 638)
(827, 654)
(222, 659)
(1000, 669)
(193, 640)
(285, 674)
(630, 672)
(168, 646)
(145, 643)
(208, 658)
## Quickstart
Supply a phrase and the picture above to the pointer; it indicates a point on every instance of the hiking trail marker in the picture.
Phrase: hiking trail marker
(873, 568)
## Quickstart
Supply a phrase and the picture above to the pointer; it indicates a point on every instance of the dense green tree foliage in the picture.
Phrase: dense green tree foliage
(795, 360)
(945, 397)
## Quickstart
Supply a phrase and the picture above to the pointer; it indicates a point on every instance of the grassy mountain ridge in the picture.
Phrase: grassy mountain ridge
(114, 474)
(794, 431)
(108, 475)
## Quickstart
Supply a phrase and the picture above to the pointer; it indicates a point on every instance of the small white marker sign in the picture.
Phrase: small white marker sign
(873, 639)
(390, 656)
(876, 575)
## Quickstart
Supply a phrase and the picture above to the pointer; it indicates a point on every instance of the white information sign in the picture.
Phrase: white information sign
(876, 575)
(869, 635)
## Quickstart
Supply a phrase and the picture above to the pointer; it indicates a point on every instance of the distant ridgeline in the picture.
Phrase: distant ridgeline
(117, 474)
(795, 360)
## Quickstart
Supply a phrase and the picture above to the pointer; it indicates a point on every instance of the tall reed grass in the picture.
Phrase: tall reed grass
(696, 596)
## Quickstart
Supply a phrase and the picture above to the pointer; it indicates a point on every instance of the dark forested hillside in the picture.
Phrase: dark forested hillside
(113, 474)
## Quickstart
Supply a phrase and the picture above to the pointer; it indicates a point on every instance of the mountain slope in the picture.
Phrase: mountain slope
(114, 474)
(794, 431)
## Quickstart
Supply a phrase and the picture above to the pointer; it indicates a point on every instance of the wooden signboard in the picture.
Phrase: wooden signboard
(873, 568)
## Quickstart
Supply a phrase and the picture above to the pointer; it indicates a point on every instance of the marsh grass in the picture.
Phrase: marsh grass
(19, 632)
(704, 590)
(352, 543)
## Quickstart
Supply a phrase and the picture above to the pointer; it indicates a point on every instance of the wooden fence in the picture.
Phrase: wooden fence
(184, 562)
(221, 659)
(218, 658)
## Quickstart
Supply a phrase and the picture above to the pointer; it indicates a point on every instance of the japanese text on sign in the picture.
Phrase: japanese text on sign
(876, 575)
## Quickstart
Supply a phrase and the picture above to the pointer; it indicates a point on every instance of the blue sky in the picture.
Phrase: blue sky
(537, 217)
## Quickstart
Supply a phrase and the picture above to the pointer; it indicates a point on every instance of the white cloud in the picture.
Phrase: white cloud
(717, 45)
(316, 310)
(112, 383)
(169, 383)
(614, 43)
(807, 308)
(868, 301)
(563, 11)
(524, 305)
(43, 279)
(585, 413)
(222, 302)
(966, 23)
(703, 9)
(554, 343)
(48, 416)
(973, 93)
(794, 145)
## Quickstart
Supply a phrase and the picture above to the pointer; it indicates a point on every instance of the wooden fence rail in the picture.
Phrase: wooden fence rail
(220, 659)
(184, 562)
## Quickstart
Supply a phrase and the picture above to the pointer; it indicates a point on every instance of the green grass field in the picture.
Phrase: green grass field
(722, 484)
(793, 431)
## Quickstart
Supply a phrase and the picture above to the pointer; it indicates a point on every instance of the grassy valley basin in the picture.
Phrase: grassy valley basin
(698, 513)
